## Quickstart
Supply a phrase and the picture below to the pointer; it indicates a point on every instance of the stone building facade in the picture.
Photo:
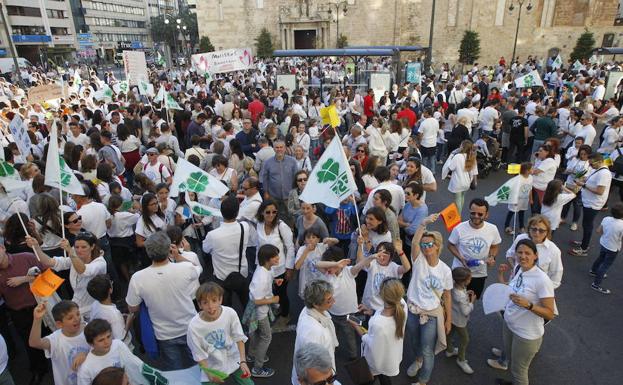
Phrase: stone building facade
(551, 25)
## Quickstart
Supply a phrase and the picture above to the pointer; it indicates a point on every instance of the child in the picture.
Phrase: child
(100, 288)
(261, 297)
(342, 278)
(555, 197)
(122, 238)
(379, 267)
(611, 230)
(216, 339)
(314, 135)
(524, 199)
(462, 306)
(106, 352)
(343, 220)
(307, 256)
(66, 347)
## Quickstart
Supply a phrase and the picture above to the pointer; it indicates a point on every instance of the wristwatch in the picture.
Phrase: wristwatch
(530, 306)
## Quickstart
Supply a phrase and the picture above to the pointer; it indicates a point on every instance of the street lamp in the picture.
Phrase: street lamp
(510, 10)
(339, 4)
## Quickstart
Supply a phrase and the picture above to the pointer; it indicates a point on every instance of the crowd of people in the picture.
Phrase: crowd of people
(151, 286)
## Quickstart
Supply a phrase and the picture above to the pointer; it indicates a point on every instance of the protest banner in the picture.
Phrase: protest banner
(414, 73)
(237, 59)
(288, 82)
(45, 92)
(135, 66)
(20, 136)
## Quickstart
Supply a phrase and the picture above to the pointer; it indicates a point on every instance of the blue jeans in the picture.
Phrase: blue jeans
(602, 264)
(424, 338)
(429, 157)
(175, 354)
(588, 222)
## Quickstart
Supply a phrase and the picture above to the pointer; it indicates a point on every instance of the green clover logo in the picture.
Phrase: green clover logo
(201, 211)
(6, 169)
(528, 80)
(153, 376)
(197, 182)
(123, 86)
(329, 171)
(504, 193)
(65, 176)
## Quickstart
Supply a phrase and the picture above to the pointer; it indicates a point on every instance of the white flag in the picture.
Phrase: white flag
(9, 178)
(577, 65)
(121, 87)
(189, 177)
(145, 88)
(104, 93)
(171, 104)
(331, 181)
(57, 172)
(161, 95)
(507, 193)
(199, 209)
(530, 80)
(557, 63)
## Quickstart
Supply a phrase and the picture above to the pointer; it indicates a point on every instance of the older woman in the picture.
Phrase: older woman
(531, 303)
(85, 260)
(431, 282)
(314, 323)
(302, 159)
(294, 203)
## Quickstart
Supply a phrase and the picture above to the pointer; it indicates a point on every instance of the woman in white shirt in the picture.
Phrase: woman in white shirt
(531, 303)
(555, 197)
(129, 146)
(464, 171)
(151, 220)
(302, 159)
(121, 235)
(576, 168)
(375, 231)
(167, 205)
(224, 173)
(543, 172)
(302, 138)
(84, 261)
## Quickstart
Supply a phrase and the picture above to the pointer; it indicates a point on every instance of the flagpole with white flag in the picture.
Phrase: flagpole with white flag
(506, 193)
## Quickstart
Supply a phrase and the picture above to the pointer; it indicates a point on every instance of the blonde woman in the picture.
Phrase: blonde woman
(464, 172)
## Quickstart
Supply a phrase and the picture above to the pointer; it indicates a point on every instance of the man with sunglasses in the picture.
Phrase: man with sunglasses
(475, 244)
(312, 364)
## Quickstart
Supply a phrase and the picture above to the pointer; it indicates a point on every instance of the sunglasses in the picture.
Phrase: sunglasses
(426, 245)
(330, 380)
(302, 180)
(538, 230)
(78, 219)
(361, 150)
(270, 212)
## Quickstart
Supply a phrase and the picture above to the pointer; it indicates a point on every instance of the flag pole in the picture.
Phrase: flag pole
(19, 215)
(60, 206)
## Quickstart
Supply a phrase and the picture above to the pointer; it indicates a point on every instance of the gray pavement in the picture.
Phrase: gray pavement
(581, 346)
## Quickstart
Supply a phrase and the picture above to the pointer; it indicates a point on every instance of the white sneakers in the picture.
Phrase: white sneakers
(454, 352)
(465, 366)
(414, 368)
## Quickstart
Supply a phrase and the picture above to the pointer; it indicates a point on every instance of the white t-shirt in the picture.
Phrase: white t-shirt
(216, 341)
(376, 275)
(79, 282)
(554, 211)
(429, 128)
(548, 166)
(523, 199)
(308, 271)
(427, 178)
(308, 329)
(588, 133)
(380, 347)
(596, 178)
(164, 289)
(111, 314)
(81, 140)
(533, 285)
(612, 233)
(550, 260)
(474, 244)
(428, 283)
(282, 238)
(63, 351)
(144, 231)
(123, 224)
(94, 216)
(261, 288)
(398, 196)
(118, 356)
(158, 173)
(344, 292)
(461, 178)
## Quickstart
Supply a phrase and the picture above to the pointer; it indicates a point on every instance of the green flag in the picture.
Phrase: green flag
(199, 209)
(171, 104)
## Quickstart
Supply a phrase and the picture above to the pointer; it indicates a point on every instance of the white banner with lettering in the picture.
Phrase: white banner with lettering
(135, 67)
(237, 59)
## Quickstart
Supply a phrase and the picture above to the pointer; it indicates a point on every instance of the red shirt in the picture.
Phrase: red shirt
(368, 106)
(256, 108)
(19, 297)
(410, 115)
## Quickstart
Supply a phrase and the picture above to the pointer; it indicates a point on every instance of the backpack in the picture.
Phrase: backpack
(617, 165)
(159, 170)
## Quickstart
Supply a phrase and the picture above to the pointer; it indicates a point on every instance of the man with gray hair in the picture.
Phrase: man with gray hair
(277, 176)
(163, 288)
(312, 364)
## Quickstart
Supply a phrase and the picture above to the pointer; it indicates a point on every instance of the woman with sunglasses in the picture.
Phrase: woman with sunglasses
(531, 303)
(294, 203)
(272, 230)
(361, 155)
(430, 286)
(84, 261)
(415, 172)
(73, 225)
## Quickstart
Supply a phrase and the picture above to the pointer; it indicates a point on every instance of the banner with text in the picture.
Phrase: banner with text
(237, 59)
(45, 92)
(135, 66)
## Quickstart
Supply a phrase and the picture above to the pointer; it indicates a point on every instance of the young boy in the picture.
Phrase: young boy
(611, 230)
(307, 256)
(66, 347)
(106, 352)
(100, 288)
(261, 296)
(216, 339)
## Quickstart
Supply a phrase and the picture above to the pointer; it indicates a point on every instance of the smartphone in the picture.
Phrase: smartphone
(355, 318)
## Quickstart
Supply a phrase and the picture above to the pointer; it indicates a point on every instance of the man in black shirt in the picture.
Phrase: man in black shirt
(518, 136)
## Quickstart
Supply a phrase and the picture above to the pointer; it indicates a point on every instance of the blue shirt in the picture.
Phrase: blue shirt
(332, 213)
(413, 216)
(277, 176)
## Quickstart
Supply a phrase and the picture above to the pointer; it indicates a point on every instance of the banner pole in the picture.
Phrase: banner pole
(19, 215)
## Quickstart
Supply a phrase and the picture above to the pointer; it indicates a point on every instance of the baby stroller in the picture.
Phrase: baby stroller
(488, 156)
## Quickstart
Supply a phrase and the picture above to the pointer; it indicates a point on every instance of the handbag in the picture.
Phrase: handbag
(473, 185)
(236, 280)
(359, 371)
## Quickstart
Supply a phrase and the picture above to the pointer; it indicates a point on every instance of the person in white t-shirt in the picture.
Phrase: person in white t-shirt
(430, 285)
(464, 171)
(66, 347)
(307, 256)
(151, 220)
(475, 243)
(100, 288)
(531, 303)
(543, 172)
(428, 131)
(611, 230)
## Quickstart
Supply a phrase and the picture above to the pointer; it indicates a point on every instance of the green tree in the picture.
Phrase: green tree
(264, 44)
(205, 45)
(342, 41)
(584, 46)
(469, 51)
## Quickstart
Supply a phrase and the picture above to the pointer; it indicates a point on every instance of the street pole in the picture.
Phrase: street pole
(5, 21)
(429, 58)
(517, 32)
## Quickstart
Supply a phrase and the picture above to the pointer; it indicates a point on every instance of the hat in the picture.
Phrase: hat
(151, 150)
